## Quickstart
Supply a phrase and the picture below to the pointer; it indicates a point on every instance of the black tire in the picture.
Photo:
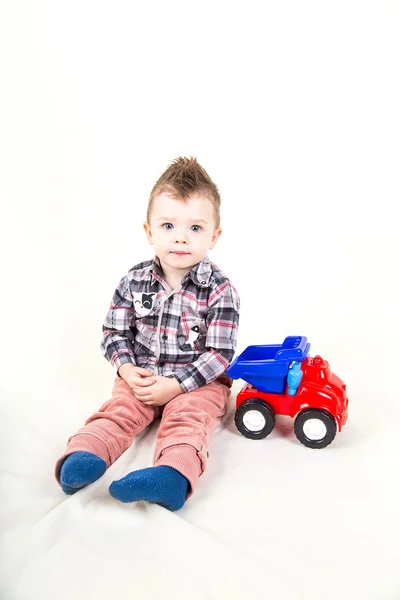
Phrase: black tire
(266, 417)
(328, 432)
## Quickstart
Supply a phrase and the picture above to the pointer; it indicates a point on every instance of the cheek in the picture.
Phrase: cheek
(198, 241)
(159, 236)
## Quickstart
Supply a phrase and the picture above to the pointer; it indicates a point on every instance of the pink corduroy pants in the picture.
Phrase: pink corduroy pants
(187, 422)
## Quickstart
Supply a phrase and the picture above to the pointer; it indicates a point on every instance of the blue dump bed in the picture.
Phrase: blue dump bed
(266, 367)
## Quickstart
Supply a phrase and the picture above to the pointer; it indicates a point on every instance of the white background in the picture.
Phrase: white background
(293, 109)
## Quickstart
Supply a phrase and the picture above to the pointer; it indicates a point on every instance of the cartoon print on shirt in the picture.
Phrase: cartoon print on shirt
(189, 331)
(193, 335)
(143, 303)
(186, 343)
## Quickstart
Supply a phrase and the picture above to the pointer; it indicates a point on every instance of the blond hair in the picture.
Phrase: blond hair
(182, 178)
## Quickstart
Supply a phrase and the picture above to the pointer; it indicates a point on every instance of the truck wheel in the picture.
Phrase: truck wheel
(315, 428)
(255, 419)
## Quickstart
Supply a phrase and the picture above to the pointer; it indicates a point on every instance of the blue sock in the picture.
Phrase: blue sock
(161, 485)
(79, 469)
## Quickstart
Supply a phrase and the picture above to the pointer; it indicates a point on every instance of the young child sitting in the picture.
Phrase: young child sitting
(170, 333)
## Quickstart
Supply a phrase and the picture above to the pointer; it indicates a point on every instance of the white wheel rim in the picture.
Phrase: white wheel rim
(254, 420)
(314, 429)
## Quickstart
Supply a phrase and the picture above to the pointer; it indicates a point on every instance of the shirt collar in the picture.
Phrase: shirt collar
(200, 274)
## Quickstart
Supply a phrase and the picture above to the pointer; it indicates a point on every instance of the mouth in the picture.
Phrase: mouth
(179, 253)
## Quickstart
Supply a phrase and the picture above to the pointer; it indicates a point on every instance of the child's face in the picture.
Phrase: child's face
(181, 232)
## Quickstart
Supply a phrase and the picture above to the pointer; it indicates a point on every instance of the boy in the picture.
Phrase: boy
(170, 333)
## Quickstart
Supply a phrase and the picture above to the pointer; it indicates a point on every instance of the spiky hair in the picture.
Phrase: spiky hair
(181, 179)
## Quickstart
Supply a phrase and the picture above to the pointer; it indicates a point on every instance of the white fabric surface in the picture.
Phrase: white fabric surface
(270, 518)
(293, 109)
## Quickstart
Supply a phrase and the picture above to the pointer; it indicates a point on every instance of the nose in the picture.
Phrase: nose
(180, 236)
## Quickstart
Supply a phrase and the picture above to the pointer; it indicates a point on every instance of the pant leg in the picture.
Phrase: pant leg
(110, 430)
(186, 427)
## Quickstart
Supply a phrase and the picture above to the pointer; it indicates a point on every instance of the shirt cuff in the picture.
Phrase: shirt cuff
(191, 379)
(122, 359)
(180, 380)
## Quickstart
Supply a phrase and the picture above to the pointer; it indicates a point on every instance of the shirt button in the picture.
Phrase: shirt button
(165, 337)
(203, 282)
(161, 364)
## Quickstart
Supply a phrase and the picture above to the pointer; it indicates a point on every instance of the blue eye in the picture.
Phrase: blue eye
(198, 228)
(167, 226)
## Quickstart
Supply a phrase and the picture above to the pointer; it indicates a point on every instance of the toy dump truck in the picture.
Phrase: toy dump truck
(283, 380)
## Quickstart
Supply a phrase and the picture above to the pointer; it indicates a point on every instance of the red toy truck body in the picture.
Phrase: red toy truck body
(319, 404)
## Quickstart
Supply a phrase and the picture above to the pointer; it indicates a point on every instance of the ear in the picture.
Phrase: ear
(215, 237)
(147, 229)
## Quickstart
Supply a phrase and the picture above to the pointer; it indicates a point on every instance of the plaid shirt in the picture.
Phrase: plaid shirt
(189, 333)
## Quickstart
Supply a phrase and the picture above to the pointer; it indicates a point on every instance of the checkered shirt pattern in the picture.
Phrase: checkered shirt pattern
(189, 333)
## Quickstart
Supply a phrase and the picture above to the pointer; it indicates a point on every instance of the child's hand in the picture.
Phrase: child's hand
(161, 392)
(136, 377)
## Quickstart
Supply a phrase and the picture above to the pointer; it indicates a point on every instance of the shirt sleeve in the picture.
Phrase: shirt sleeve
(222, 322)
(118, 327)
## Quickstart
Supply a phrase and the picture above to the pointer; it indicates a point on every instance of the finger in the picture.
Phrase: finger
(142, 393)
(144, 372)
(141, 399)
(143, 382)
